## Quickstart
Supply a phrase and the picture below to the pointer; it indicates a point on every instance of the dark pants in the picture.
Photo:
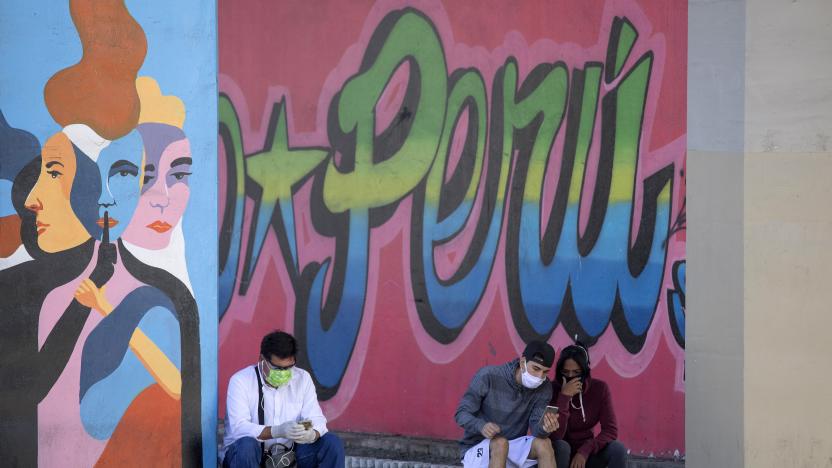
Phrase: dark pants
(614, 455)
(326, 452)
(243, 453)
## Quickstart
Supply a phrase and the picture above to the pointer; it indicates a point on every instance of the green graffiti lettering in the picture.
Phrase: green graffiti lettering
(586, 126)
(410, 38)
(537, 109)
(467, 94)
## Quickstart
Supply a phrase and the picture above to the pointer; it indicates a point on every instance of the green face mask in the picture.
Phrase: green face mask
(277, 378)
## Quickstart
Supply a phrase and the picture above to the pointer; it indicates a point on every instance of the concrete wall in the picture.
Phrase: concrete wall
(760, 230)
(714, 422)
(108, 108)
(788, 72)
(714, 361)
(788, 233)
(404, 246)
(788, 227)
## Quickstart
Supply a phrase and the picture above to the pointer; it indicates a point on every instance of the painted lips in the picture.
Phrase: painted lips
(159, 226)
(112, 222)
(41, 227)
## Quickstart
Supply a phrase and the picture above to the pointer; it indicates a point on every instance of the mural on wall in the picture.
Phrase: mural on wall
(444, 182)
(107, 328)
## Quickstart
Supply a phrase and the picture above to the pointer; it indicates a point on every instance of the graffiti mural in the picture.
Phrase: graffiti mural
(443, 183)
(107, 174)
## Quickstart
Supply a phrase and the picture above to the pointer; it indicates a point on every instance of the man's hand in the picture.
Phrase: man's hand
(308, 436)
(490, 430)
(549, 422)
(578, 462)
(571, 388)
(296, 432)
(287, 430)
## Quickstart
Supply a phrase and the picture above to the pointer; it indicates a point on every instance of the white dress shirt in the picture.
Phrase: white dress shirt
(295, 401)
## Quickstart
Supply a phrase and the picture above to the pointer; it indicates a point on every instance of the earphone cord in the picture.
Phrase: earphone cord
(581, 398)
(581, 394)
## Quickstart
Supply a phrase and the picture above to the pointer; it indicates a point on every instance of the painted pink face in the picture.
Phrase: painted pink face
(164, 197)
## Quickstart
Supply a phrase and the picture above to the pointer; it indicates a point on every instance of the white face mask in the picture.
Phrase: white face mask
(530, 381)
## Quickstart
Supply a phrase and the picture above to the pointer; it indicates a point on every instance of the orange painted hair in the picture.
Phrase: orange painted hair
(100, 90)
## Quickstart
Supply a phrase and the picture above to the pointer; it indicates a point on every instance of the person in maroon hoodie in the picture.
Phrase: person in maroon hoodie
(582, 404)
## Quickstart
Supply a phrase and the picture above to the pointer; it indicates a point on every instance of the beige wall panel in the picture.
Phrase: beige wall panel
(788, 349)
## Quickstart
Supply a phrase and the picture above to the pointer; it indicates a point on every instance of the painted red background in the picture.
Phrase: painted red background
(400, 389)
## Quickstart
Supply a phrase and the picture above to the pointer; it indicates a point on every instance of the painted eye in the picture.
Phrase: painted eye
(147, 179)
(54, 174)
(181, 175)
(124, 170)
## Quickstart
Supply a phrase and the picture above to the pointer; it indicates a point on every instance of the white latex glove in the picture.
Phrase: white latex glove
(307, 437)
(286, 430)
(296, 433)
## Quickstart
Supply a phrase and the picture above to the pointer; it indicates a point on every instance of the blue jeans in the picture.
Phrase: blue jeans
(243, 453)
(326, 452)
(614, 455)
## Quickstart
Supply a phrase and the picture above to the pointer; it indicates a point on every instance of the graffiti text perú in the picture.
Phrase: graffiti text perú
(474, 163)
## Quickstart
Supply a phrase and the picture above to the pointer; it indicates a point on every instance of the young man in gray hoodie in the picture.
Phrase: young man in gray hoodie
(502, 405)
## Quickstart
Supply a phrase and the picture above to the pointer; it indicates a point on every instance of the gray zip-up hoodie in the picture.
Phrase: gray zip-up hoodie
(495, 396)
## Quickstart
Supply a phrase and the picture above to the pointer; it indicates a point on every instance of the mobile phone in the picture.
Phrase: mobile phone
(552, 409)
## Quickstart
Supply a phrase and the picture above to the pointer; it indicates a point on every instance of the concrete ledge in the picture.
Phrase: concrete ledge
(366, 450)
(364, 462)
(638, 462)
(383, 446)
(391, 451)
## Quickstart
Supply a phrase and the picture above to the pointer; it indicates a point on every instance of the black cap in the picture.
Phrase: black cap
(540, 352)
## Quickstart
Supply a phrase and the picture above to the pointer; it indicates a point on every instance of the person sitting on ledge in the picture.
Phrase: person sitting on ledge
(501, 405)
(273, 415)
(583, 403)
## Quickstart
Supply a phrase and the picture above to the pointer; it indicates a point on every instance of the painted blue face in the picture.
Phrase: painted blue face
(6, 207)
(120, 168)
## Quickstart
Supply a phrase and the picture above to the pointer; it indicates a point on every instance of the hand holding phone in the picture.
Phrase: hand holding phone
(549, 422)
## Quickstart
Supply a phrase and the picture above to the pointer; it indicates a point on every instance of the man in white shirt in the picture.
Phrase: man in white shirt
(274, 402)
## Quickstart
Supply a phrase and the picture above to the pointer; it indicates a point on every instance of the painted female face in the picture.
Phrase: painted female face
(165, 192)
(119, 166)
(58, 226)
